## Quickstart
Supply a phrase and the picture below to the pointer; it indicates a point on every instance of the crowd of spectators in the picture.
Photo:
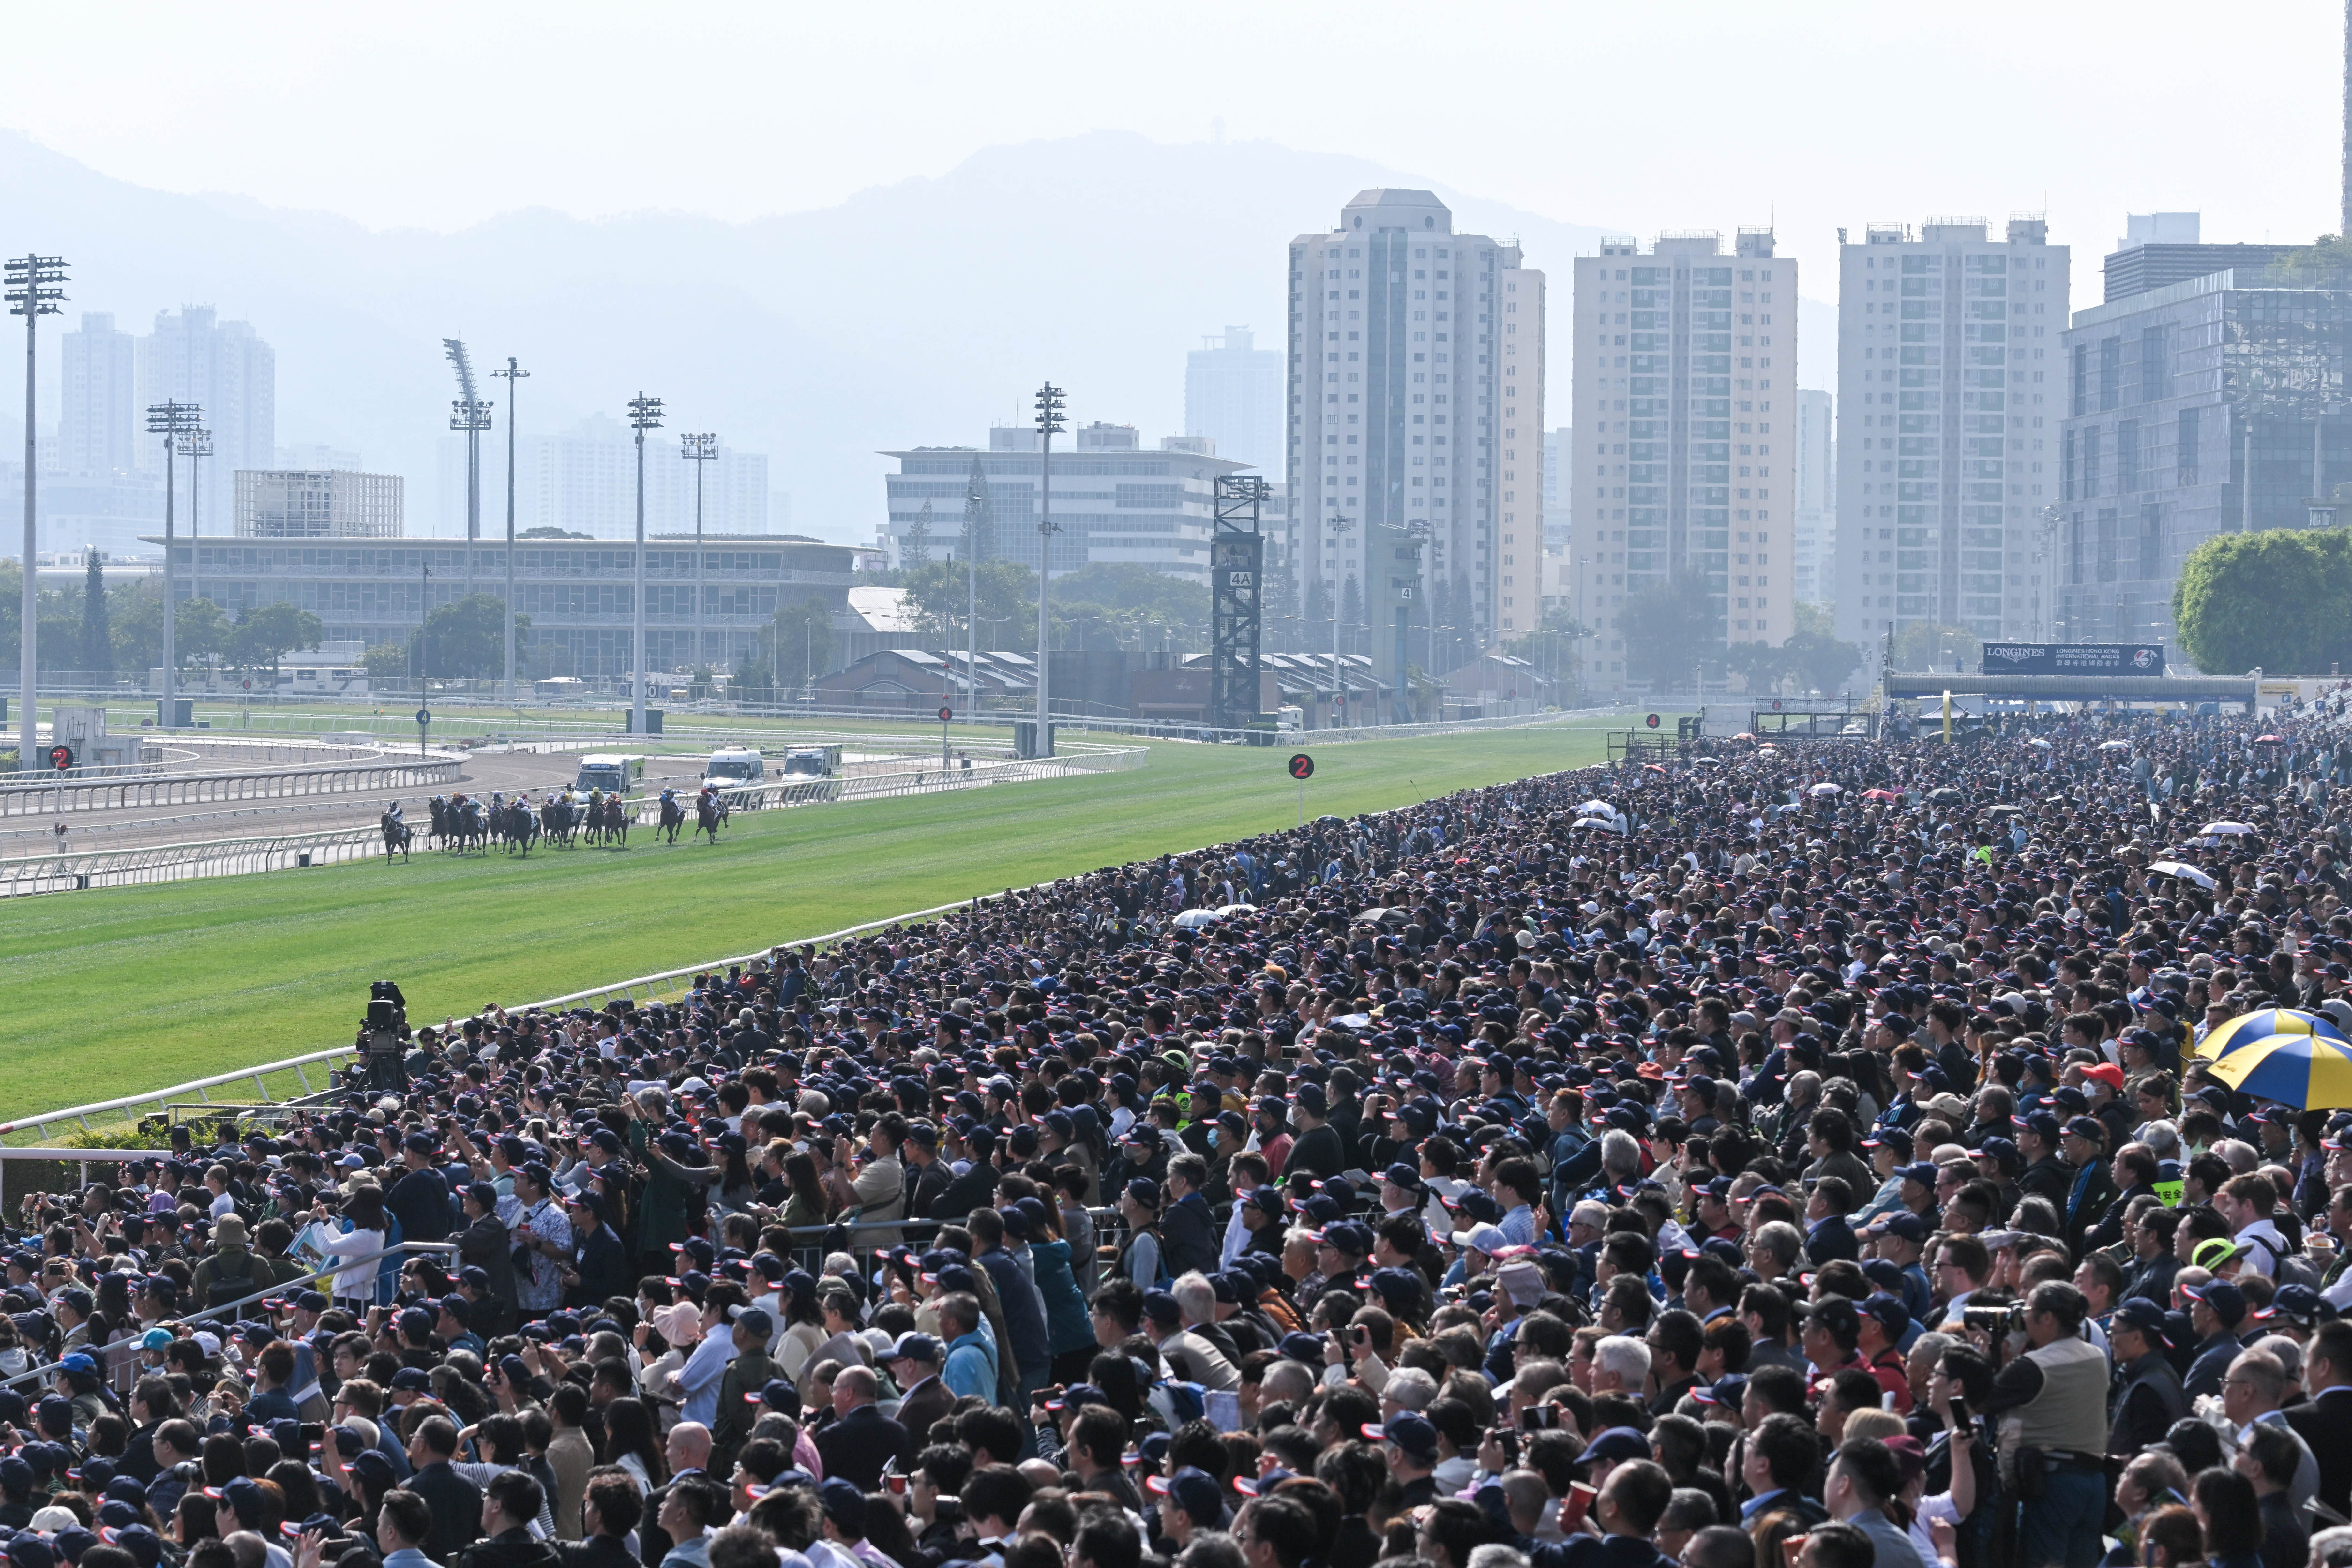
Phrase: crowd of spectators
(1764, 1156)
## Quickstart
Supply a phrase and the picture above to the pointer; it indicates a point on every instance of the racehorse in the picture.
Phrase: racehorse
(616, 820)
(558, 820)
(673, 816)
(396, 835)
(518, 827)
(466, 823)
(710, 810)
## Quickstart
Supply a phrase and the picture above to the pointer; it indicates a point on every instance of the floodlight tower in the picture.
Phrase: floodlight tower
(644, 414)
(699, 449)
(472, 416)
(1049, 425)
(170, 420)
(512, 374)
(34, 291)
(195, 446)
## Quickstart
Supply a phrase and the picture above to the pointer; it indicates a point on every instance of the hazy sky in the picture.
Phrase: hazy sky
(1807, 114)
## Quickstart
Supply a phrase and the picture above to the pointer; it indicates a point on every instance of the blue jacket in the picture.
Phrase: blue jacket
(971, 1366)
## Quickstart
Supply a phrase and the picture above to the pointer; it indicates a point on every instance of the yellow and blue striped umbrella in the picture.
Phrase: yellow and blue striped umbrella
(2249, 1029)
(2307, 1070)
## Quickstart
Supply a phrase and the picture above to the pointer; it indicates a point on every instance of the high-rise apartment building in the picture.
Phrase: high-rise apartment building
(1948, 410)
(226, 370)
(1686, 418)
(1416, 403)
(1559, 487)
(1232, 394)
(585, 480)
(1816, 539)
(98, 418)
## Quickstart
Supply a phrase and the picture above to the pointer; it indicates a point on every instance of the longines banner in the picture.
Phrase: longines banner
(2071, 659)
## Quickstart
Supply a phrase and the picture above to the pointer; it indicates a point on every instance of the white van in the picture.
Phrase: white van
(609, 772)
(734, 765)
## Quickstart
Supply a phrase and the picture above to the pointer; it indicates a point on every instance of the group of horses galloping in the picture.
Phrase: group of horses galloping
(463, 823)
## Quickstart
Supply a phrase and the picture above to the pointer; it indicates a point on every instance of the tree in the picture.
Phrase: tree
(2279, 600)
(96, 641)
(389, 661)
(199, 631)
(801, 640)
(267, 633)
(1924, 646)
(466, 639)
(754, 679)
(1008, 604)
(1758, 665)
(915, 545)
(1818, 661)
(979, 516)
(1672, 630)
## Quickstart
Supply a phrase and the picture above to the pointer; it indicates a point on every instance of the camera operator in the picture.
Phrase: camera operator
(2055, 1392)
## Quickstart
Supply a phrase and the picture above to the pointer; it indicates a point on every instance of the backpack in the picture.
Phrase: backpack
(2288, 1267)
(216, 1291)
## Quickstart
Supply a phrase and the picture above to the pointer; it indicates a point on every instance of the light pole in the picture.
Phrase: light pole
(33, 292)
(1340, 527)
(423, 618)
(195, 446)
(169, 420)
(1049, 424)
(471, 415)
(697, 449)
(512, 374)
(644, 414)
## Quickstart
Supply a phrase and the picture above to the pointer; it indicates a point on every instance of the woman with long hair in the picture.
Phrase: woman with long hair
(1070, 1334)
(805, 1205)
(631, 1443)
(362, 1232)
(804, 1319)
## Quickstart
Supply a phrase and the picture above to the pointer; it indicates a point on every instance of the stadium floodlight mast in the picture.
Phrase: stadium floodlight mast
(644, 414)
(471, 415)
(194, 445)
(1049, 425)
(512, 374)
(699, 447)
(170, 420)
(34, 291)
(1340, 527)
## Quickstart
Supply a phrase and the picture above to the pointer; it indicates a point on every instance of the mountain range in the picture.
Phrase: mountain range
(913, 313)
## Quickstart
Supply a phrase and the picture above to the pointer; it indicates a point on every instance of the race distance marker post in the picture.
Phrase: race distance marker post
(1302, 768)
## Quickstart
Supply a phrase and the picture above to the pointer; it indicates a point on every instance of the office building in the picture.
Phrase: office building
(1113, 499)
(1816, 533)
(317, 455)
(316, 503)
(1416, 405)
(1559, 487)
(2159, 250)
(97, 421)
(226, 370)
(75, 512)
(1232, 394)
(1947, 424)
(2206, 406)
(1685, 415)
(584, 479)
(580, 596)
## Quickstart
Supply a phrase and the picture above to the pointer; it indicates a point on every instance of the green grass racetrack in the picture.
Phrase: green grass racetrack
(115, 992)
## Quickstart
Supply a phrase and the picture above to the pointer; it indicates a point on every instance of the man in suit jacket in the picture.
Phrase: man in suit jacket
(456, 1501)
(976, 1188)
(1187, 1230)
(914, 1362)
(861, 1440)
(2086, 1146)
(1828, 1237)
(2320, 1421)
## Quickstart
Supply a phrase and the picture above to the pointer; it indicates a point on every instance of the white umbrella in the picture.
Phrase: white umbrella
(1603, 823)
(2114, 745)
(1225, 911)
(2038, 741)
(1706, 762)
(1193, 920)
(1826, 788)
(2187, 873)
(1596, 808)
(2226, 828)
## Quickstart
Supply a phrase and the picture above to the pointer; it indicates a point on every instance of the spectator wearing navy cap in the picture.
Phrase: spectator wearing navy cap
(420, 1199)
(2148, 1397)
(1317, 1150)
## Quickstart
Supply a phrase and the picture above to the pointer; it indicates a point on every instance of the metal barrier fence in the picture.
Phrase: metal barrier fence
(40, 1376)
(191, 789)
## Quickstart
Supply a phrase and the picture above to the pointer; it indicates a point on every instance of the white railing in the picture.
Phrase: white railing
(390, 772)
(128, 1103)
